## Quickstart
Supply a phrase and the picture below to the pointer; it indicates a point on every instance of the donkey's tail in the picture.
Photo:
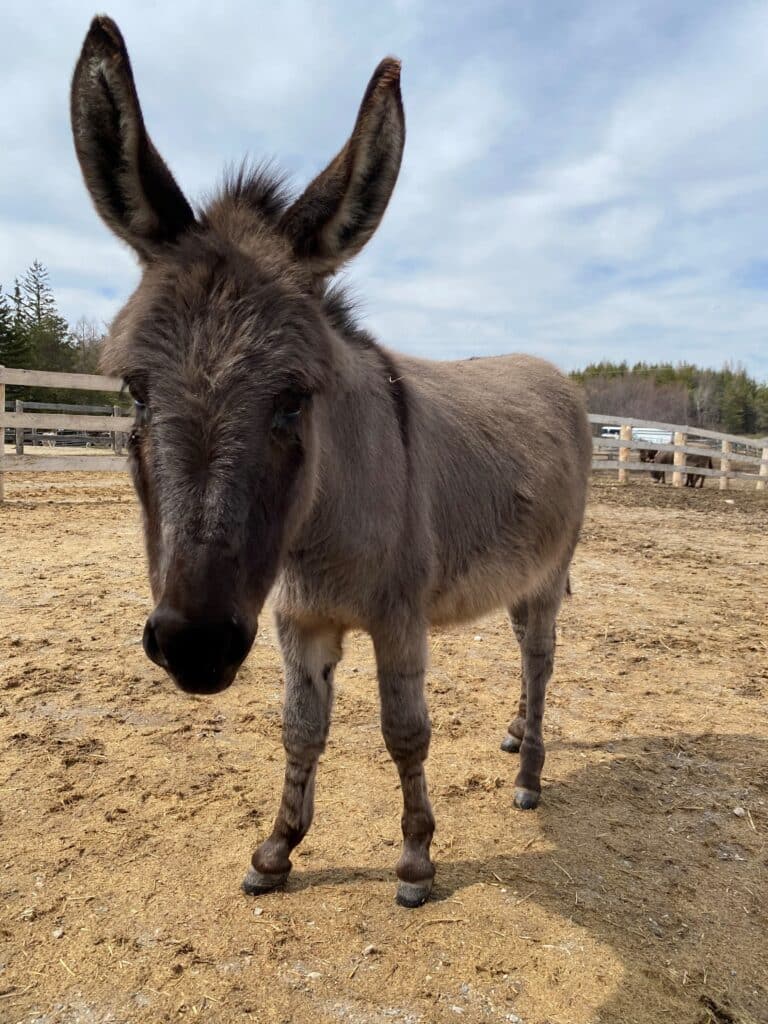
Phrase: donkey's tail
(568, 588)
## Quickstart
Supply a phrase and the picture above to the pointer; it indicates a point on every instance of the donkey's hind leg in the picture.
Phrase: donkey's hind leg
(310, 658)
(518, 615)
(538, 655)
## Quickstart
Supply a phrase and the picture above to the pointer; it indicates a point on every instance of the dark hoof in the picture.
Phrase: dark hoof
(510, 744)
(413, 894)
(256, 884)
(526, 799)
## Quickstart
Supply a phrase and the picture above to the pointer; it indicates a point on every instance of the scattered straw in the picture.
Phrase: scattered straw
(567, 874)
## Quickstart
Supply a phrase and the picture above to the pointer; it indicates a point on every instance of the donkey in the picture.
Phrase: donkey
(698, 462)
(660, 459)
(277, 447)
(691, 461)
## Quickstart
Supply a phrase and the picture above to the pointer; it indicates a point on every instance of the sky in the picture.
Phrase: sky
(582, 181)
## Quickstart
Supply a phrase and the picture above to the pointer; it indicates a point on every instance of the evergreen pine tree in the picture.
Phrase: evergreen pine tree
(761, 409)
(14, 350)
(737, 410)
(39, 303)
(47, 332)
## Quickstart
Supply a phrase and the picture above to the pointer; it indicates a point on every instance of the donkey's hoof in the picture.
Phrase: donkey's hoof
(526, 799)
(510, 744)
(413, 894)
(255, 883)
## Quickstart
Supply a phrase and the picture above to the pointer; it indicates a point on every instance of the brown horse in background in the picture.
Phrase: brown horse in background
(691, 461)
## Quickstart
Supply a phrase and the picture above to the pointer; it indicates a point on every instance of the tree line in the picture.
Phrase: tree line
(728, 400)
(34, 335)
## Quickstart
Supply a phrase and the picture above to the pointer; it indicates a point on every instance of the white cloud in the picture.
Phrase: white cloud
(584, 185)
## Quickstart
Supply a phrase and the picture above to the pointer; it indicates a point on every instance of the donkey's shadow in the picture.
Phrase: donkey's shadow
(666, 874)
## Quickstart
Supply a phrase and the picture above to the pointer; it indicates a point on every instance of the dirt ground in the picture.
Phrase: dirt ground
(636, 893)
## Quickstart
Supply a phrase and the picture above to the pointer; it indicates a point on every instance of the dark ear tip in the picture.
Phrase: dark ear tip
(104, 32)
(388, 71)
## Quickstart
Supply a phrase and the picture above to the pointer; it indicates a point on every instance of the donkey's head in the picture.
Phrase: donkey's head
(226, 350)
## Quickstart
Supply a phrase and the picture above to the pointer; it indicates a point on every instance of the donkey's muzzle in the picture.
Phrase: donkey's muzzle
(202, 656)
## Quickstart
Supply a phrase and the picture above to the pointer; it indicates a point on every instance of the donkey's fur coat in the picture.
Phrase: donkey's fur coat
(279, 447)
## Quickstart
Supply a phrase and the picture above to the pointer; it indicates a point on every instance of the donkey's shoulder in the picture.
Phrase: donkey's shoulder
(504, 376)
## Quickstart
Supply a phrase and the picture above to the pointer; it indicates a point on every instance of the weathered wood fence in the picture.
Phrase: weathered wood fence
(736, 457)
(616, 444)
(55, 421)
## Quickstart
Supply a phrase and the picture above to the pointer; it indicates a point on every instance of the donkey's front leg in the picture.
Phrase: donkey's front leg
(401, 660)
(310, 658)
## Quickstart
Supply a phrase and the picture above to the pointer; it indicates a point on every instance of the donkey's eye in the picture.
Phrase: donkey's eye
(288, 409)
(138, 393)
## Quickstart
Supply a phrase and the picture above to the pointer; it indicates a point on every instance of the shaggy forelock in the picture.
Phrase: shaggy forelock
(261, 188)
(210, 310)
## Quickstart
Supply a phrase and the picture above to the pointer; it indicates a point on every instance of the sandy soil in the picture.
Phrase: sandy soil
(636, 893)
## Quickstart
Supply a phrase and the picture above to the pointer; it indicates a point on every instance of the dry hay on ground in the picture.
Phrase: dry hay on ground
(635, 894)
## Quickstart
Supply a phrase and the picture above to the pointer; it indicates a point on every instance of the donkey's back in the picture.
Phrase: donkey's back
(505, 450)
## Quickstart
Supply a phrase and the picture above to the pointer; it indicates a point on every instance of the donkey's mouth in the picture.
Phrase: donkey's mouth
(205, 686)
(200, 657)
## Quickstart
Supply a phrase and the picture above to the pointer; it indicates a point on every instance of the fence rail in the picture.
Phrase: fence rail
(630, 421)
(730, 450)
(71, 424)
(642, 445)
(70, 381)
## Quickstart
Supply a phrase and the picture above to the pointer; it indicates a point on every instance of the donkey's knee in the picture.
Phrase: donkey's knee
(407, 739)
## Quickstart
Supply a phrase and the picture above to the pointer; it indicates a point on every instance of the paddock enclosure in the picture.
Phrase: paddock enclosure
(619, 444)
(636, 893)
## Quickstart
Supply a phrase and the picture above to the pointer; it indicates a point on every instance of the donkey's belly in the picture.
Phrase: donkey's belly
(487, 587)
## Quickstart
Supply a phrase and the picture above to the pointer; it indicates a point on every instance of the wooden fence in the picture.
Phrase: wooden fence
(739, 458)
(736, 457)
(115, 425)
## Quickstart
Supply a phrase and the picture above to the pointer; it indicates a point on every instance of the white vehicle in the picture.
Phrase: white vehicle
(651, 435)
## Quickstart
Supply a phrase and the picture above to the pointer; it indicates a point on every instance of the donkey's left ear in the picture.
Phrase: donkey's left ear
(340, 210)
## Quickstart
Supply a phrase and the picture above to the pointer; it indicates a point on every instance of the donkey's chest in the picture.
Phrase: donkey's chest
(322, 591)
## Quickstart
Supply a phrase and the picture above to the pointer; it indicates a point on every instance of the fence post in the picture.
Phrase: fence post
(762, 475)
(678, 460)
(116, 445)
(625, 433)
(2, 432)
(19, 430)
(725, 465)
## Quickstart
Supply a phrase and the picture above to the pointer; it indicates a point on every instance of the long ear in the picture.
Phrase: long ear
(339, 211)
(130, 185)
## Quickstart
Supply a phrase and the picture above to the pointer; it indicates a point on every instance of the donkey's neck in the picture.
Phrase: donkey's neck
(364, 442)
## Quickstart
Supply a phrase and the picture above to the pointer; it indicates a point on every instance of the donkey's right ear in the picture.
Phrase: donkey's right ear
(129, 183)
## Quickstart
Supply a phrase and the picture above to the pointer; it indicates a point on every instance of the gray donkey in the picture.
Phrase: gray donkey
(278, 447)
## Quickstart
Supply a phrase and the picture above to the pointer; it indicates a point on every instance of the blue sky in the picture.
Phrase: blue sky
(581, 181)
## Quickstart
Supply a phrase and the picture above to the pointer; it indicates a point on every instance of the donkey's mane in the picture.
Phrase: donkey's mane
(341, 308)
(262, 187)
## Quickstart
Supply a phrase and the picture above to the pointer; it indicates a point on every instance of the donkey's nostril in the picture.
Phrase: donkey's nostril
(151, 646)
(203, 656)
